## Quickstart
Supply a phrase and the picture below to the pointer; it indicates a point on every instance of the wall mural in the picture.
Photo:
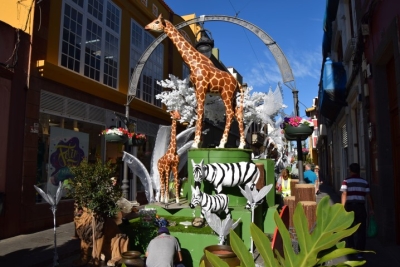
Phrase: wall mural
(66, 148)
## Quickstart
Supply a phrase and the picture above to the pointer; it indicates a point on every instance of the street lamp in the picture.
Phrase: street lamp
(298, 141)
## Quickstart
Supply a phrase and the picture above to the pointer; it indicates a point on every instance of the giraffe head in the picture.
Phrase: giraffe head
(175, 115)
(156, 25)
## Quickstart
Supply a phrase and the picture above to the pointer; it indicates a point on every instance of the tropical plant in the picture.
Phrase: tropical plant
(317, 248)
(92, 188)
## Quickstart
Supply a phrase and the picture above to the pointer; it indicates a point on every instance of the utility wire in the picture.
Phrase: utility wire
(248, 40)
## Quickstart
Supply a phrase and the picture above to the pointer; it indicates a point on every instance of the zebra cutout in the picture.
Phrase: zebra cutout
(226, 174)
(209, 203)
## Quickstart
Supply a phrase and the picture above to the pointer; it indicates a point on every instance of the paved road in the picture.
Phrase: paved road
(37, 249)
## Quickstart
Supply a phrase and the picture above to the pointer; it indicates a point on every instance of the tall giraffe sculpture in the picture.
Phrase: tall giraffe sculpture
(169, 162)
(207, 79)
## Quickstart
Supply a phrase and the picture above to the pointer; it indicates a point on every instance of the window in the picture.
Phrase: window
(153, 69)
(90, 39)
(155, 10)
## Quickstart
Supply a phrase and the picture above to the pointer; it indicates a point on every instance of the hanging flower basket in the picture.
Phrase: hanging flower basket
(137, 140)
(115, 138)
(296, 127)
(302, 131)
(116, 135)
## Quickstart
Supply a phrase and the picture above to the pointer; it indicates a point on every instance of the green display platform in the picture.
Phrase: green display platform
(193, 244)
(237, 213)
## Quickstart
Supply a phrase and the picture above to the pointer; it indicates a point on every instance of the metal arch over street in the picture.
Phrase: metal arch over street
(284, 67)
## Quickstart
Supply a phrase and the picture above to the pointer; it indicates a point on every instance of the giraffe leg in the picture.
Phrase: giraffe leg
(166, 183)
(228, 121)
(176, 180)
(239, 118)
(161, 172)
(200, 97)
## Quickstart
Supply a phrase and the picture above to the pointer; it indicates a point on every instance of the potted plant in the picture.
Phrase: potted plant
(96, 198)
(296, 127)
(116, 135)
(317, 248)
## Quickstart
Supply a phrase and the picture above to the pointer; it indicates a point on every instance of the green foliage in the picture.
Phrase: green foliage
(316, 248)
(139, 236)
(92, 188)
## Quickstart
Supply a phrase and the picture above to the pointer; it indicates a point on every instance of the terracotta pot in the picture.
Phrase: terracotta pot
(224, 252)
(302, 131)
(131, 258)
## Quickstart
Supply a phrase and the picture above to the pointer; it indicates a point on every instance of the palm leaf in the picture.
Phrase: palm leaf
(263, 245)
(246, 258)
(215, 260)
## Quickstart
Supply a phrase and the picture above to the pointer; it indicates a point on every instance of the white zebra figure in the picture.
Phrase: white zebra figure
(209, 203)
(226, 174)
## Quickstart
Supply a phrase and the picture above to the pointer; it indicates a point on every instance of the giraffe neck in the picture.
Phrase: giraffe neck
(172, 142)
(184, 47)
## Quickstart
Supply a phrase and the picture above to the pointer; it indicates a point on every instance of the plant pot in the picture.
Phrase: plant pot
(115, 138)
(302, 132)
(131, 258)
(223, 252)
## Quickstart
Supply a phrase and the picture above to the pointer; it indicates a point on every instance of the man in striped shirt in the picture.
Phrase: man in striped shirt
(355, 190)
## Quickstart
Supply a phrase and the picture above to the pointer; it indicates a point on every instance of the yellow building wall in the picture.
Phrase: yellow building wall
(129, 9)
(18, 14)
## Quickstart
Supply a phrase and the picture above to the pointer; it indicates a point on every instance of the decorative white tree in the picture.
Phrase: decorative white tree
(254, 197)
(53, 201)
(221, 227)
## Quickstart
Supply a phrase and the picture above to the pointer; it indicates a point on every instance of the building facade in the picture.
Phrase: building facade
(65, 73)
(358, 102)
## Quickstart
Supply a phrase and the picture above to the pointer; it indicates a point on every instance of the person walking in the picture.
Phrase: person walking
(355, 191)
(318, 181)
(309, 176)
(163, 250)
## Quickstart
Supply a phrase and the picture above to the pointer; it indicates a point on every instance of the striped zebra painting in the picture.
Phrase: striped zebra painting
(209, 203)
(226, 174)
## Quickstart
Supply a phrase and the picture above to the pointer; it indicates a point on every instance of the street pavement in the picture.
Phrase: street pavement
(37, 249)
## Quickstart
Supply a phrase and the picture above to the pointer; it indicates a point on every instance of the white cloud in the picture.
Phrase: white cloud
(265, 73)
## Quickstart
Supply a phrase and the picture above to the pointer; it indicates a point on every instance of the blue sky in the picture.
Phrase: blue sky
(295, 25)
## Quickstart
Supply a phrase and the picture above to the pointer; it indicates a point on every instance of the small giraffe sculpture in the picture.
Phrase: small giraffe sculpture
(207, 79)
(169, 162)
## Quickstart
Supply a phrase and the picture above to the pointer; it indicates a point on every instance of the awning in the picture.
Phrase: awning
(332, 92)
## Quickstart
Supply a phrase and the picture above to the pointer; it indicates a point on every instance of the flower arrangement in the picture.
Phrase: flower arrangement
(295, 122)
(305, 150)
(139, 136)
(118, 131)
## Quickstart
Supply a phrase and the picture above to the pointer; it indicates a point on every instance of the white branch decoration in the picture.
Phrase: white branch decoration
(53, 203)
(221, 227)
(253, 198)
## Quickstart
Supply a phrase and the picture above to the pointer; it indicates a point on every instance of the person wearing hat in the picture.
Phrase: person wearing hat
(163, 250)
